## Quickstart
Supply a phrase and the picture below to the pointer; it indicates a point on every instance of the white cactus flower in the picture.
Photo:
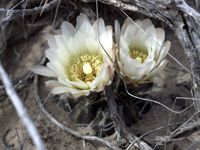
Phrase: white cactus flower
(140, 57)
(77, 60)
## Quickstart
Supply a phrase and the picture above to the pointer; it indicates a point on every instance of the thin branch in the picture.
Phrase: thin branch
(193, 146)
(120, 127)
(3, 145)
(69, 130)
(23, 79)
(21, 110)
(11, 14)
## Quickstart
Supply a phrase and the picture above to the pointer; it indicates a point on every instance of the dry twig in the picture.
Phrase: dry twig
(21, 110)
(63, 127)
(120, 127)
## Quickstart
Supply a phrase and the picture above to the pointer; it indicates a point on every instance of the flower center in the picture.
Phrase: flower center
(137, 55)
(85, 68)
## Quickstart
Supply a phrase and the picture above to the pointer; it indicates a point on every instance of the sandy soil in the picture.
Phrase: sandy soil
(173, 80)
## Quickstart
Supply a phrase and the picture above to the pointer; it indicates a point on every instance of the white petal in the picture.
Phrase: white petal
(151, 31)
(120, 66)
(100, 87)
(81, 38)
(80, 85)
(162, 65)
(51, 41)
(65, 57)
(129, 79)
(130, 31)
(87, 29)
(74, 47)
(129, 71)
(150, 56)
(106, 38)
(160, 33)
(101, 27)
(59, 70)
(112, 54)
(146, 23)
(78, 93)
(138, 26)
(41, 70)
(117, 32)
(65, 81)
(53, 57)
(136, 79)
(72, 84)
(149, 66)
(104, 71)
(68, 29)
(59, 90)
(127, 60)
(163, 52)
(80, 20)
(107, 74)
(125, 25)
(92, 46)
(124, 45)
(60, 41)
(55, 87)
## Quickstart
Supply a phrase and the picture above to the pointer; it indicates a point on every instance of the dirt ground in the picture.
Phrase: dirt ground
(22, 53)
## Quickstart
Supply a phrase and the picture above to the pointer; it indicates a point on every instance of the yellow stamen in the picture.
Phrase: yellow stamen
(85, 68)
(137, 55)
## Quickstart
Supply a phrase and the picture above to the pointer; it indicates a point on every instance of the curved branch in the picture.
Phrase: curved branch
(59, 124)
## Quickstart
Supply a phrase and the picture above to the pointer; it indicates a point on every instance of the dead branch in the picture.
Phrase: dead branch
(21, 110)
(120, 127)
(180, 133)
(63, 127)
(193, 146)
(187, 129)
(22, 80)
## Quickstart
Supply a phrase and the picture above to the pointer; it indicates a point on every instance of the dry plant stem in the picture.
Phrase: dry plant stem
(3, 145)
(187, 129)
(27, 76)
(21, 110)
(193, 146)
(120, 127)
(11, 14)
(181, 18)
(63, 127)
(180, 134)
